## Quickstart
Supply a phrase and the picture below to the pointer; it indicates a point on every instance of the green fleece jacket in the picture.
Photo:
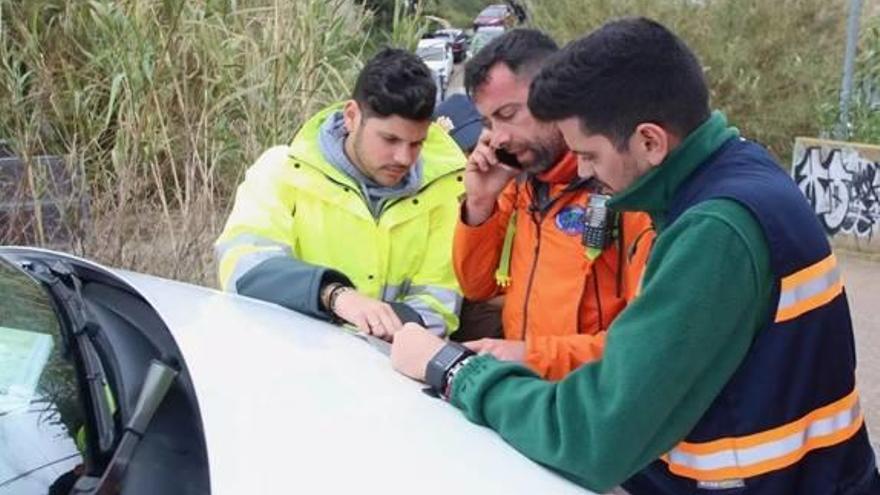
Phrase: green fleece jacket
(706, 292)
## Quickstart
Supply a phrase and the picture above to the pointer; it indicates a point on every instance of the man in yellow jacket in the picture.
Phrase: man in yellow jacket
(353, 221)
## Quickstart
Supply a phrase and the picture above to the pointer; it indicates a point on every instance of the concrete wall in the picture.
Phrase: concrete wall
(842, 182)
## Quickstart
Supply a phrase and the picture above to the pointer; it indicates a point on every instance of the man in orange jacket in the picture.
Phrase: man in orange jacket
(525, 228)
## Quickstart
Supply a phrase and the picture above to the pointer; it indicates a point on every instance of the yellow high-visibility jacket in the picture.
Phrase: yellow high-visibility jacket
(298, 222)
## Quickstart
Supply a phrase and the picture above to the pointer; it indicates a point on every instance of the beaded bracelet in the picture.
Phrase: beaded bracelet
(325, 295)
(334, 295)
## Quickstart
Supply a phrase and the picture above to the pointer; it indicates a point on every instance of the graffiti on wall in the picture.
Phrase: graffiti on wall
(842, 183)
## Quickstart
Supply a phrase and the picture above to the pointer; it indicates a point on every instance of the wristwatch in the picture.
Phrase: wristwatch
(438, 367)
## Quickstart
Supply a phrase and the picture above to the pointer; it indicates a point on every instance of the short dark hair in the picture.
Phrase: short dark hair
(629, 71)
(520, 50)
(396, 82)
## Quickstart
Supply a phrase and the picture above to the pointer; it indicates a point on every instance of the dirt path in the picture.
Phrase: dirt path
(862, 280)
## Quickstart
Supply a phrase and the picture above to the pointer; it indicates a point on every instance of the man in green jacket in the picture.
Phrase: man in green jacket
(733, 371)
(353, 221)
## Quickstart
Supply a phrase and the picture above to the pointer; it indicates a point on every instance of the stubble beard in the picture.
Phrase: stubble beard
(546, 154)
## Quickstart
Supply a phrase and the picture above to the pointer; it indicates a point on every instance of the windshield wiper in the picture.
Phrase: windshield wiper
(158, 381)
(65, 287)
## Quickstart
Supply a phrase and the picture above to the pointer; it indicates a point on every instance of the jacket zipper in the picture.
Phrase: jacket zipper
(360, 194)
(595, 275)
(580, 302)
(539, 214)
(537, 221)
(422, 189)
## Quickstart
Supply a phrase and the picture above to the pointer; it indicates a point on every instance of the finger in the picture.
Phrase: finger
(392, 321)
(485, 136)
(475, 345)
(478, 161)
(375, 324)
(487, 153)
(412, 328)
(361, 323)
(385, 328)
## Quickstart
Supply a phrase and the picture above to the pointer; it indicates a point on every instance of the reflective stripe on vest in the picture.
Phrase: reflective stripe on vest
(771, 450)
(808, 289)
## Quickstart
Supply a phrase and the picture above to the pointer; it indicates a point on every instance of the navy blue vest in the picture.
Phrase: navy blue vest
(788, 421)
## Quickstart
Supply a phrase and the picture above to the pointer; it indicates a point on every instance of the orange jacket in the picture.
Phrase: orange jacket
(558, 301)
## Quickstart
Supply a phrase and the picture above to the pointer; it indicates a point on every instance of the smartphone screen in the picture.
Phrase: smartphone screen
(508, 159)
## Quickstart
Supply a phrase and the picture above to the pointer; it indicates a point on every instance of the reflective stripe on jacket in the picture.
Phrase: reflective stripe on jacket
(788, 421)
(294, 204)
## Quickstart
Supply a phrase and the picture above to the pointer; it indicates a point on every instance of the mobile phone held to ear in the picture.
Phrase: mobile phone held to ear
(508, 158)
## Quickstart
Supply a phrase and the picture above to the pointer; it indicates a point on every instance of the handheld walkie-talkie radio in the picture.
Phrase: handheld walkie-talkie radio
(597, 223)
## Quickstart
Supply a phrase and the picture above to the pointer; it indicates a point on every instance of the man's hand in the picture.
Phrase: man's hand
(369, 315)
(484, 179)
(412, 348)
(505, 350)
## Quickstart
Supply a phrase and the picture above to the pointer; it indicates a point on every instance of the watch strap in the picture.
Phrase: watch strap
(442, 362)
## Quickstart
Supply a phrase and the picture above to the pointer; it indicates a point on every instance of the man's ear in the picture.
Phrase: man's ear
(351, 115)
(653, 143)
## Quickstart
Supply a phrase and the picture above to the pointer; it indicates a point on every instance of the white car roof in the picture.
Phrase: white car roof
(490, 29)
(291, 403)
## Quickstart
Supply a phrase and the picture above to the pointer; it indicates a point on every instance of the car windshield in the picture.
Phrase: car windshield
(41, 413)
(494, 11)
(432, 53)
(483, 37)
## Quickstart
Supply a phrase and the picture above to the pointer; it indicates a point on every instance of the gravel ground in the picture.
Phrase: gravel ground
(862, 280)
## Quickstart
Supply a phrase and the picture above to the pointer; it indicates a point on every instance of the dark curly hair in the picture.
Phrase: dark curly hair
(396, 82)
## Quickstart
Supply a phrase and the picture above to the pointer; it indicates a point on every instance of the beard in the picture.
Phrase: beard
(358, 155)
(546, 154)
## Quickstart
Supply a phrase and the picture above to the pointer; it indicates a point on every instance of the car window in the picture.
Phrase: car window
(433, 53)
(41, 411)
(494, 11)
(483, 36)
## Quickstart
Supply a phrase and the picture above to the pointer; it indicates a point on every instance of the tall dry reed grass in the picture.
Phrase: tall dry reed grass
(160, 105)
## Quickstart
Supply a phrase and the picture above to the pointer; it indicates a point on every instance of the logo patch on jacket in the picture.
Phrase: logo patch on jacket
(571, 220)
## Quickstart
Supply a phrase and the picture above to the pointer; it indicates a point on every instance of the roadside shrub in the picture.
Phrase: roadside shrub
(770, 65)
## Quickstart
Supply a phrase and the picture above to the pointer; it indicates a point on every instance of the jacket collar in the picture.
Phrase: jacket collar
(440, 155)
(653, 192)
(563, 172)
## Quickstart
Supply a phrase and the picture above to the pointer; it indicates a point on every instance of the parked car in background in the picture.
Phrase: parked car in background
(482, 37)
(498, 14)
(118, 382)
(457, 38)
(437, 55)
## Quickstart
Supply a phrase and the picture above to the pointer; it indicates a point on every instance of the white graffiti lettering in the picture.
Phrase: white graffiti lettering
(842, 186)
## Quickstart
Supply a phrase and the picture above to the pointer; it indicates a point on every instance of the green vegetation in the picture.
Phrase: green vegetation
(160, 105)
(865, 103)
(770, 65)
(460, 13)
